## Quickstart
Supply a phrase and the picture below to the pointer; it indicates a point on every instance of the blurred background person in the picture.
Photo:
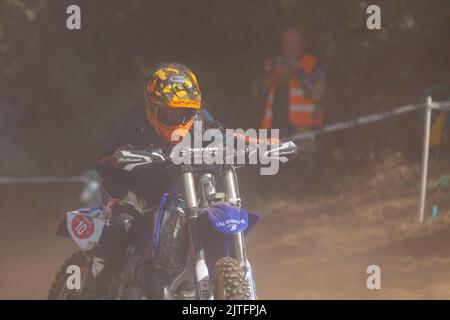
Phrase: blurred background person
(292, 87)
(291, 91)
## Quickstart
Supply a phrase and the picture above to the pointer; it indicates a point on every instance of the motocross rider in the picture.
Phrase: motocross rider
(172, 103)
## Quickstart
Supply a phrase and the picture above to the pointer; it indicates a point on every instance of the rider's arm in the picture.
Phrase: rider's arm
(124, 154)
(212, 123)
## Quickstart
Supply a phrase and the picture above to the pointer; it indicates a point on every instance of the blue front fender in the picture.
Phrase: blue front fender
(229, 219)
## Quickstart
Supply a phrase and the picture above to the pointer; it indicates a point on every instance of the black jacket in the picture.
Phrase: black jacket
(134, 131)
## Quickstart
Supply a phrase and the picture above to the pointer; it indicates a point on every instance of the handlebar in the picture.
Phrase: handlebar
(132, 160)
(282, 152)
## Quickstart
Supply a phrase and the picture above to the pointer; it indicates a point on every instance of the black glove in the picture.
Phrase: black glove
(130, 158)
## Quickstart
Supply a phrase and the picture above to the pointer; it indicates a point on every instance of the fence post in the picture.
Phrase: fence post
(425, 155)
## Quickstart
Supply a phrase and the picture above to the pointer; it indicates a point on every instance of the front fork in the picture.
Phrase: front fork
(232, 196)
(204, 290)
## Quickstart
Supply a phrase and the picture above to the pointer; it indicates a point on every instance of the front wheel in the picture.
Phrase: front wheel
(229, 280)
(59, 290)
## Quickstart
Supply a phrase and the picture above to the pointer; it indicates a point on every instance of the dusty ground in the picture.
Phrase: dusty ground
(29, 249)
(314, 247)
(320, 247)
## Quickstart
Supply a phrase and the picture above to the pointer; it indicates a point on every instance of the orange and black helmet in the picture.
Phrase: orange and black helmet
(173, 99)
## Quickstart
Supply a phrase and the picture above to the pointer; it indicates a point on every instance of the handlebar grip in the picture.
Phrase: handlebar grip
(130, 160)
(285, 151)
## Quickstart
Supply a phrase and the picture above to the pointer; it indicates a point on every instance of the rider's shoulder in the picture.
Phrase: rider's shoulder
(137, 109)
(134, 115)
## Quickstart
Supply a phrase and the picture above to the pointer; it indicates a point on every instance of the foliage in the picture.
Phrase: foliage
(67, 88)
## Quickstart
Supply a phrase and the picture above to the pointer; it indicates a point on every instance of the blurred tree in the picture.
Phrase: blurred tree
(67, 88)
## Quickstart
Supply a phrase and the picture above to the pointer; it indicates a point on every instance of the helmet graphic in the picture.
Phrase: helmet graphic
(173, 100)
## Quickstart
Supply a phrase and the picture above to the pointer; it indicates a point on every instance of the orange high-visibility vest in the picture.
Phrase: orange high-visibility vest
(301, 108)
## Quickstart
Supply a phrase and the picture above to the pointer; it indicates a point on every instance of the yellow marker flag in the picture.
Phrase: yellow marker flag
(437, 129)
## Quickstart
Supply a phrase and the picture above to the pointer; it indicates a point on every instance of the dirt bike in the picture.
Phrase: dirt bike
(196, 249)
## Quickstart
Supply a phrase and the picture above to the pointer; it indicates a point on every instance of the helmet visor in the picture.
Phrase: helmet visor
(175, 116)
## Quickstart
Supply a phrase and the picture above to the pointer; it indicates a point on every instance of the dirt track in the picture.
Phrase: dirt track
(319, 248)
(314, 248)
(30, 251)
